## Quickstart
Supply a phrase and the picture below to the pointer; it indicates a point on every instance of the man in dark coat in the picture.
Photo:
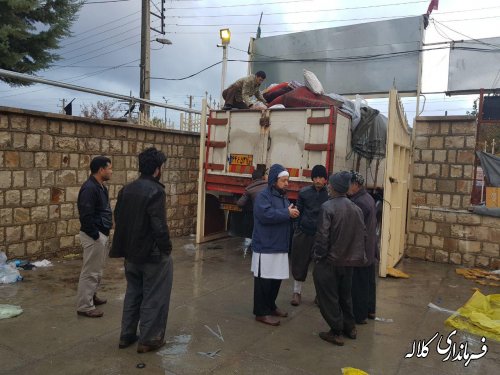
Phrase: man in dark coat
(339, 246)
(96, 220)
(259, 183)
(363, 278)
(308, 203)
(142, 238)
(270, 242)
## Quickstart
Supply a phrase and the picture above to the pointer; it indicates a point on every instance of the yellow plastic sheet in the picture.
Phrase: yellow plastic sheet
(480, 315)
(353, 371)
(397, 273)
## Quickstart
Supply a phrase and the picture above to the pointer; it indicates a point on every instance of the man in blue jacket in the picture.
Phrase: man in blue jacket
(270, 243)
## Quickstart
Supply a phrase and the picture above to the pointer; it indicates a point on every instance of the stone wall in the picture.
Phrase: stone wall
(441, 227)
(44, 159)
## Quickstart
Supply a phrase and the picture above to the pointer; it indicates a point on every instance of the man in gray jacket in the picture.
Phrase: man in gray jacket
(339, 246)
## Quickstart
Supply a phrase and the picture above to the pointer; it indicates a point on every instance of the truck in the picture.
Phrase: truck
(233, 143)
(298, 138)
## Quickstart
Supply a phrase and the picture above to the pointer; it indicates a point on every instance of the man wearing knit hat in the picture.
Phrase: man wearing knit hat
(363, 278)
(272, 213)
(339, 246)
(308, 203)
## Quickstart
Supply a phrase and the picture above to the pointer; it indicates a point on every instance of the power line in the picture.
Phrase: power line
(72, 79)
(104, 2)
(99, 41)
(294, 12)
(477, 40)
(98, 27)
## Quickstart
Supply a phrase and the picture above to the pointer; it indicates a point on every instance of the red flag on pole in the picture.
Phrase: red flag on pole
(432, 6)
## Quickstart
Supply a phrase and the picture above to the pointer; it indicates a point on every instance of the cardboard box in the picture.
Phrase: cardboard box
(492, 197)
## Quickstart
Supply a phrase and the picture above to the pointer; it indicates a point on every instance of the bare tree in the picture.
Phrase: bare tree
(102, 110)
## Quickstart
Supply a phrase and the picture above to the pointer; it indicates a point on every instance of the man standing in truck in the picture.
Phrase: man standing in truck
(308, 203)
(239, 94)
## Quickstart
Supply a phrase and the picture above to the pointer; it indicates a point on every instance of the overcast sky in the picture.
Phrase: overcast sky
(104, 51)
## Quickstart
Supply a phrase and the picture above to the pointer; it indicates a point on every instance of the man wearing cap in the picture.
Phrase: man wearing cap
(339, 245)
(272, 214)
(363, 278)
(308, 203)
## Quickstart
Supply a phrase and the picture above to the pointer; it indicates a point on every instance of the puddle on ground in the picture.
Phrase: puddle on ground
(177, 346)
(189, 248)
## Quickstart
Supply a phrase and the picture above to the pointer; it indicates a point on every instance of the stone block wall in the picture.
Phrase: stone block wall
(441, 228)
(44, 159)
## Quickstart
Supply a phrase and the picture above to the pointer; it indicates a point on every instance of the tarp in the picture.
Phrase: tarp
(480, 315)
(491, 167)
(370, 136)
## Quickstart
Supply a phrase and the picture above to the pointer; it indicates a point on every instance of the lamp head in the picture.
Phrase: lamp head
(225, 36)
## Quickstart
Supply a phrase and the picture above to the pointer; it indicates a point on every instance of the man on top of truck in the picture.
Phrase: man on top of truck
(239, 94)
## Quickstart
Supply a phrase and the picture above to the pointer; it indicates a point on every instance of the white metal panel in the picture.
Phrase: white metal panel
(287, 131)
(342, 144)
(338, 56)
(474, 65)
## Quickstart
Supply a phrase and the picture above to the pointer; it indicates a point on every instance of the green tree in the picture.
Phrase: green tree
(474, 109)
(30, 32)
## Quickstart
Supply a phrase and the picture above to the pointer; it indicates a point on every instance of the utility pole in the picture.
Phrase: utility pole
(63, 105)
(190, 117)
(145, 88)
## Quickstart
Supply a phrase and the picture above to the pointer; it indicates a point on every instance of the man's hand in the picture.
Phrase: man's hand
(293, 212)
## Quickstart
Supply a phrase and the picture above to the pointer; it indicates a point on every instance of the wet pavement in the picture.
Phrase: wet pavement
(213, 288)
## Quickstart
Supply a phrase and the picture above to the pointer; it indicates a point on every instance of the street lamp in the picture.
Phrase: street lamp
(225, 37)
(163, 41)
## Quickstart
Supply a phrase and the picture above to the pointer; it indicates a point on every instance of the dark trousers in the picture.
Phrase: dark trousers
(147, 300)
(265, 292)
(372, 289)
(300, 258)
(333, 288)
(363, 292)
(360, 292)
(229, 96)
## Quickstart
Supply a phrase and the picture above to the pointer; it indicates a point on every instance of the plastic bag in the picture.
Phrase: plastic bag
(9, 274)
(10, 311)
(358, 103)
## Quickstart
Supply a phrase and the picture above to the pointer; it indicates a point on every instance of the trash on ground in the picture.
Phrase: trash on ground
(10, 311)
(141, 365)
(480, 316)
(211, 355)
(8, 272)
(43, 263)
(384, 320)
(436, 307)
(353, 371)
(72, 256)
(397, 273)
(480, 276)
(218, 335)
